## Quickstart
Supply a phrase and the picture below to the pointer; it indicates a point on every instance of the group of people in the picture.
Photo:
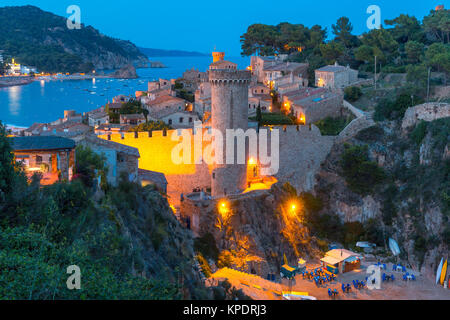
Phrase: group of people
(387, 277)
(319, 276)
(332, 293)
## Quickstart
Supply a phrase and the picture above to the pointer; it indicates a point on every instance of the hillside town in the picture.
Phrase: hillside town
(339, 191)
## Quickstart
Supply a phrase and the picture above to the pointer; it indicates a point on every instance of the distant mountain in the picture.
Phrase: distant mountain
(41, 39)
(170, 53)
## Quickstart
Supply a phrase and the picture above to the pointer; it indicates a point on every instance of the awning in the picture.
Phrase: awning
(351, 259)
(288, 268)
(330, 260)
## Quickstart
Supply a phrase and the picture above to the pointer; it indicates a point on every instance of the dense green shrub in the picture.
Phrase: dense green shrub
(89, 165)
(419, 132)
(332, 126)
(274, 118)
(204, 265)
(371, 134)
(206, 245)
(352, 93)
(360, 174)
(395, 109)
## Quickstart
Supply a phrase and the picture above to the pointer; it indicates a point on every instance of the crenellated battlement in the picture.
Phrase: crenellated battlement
(223, 77)
(158, 134)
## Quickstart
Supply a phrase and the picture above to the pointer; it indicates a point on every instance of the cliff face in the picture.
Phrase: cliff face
(257, 230)
(160, 246)
(412, 204)
(43, 40)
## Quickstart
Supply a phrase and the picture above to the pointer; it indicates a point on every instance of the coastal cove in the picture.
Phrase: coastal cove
(44, 101)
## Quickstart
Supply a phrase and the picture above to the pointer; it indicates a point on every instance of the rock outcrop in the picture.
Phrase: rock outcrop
(411, 205)
(258, 230)
(127, 72)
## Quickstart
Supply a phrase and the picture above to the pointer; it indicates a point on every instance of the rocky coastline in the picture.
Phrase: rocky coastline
(15, 81)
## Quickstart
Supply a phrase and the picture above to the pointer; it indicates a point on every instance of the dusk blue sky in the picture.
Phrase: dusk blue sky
(202, 25)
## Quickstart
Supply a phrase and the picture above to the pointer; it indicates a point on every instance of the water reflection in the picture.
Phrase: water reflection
(14, 100)
(42, 82)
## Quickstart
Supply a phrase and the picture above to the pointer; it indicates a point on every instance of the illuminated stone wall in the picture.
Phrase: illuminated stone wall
(156, 155)
(302, 150)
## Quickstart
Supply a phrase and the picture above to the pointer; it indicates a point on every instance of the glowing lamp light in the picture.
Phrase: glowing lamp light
(251, 161)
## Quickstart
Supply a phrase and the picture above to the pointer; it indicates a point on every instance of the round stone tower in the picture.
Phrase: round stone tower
(229, 110)
(218, 56)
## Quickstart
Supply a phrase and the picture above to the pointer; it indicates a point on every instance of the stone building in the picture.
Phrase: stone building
(229, 110)
(203, 98)
(335, 76)
(195, 75)
(280, 73)
(180, 119)
(120, 159)
(121, 99)
(313, 104)
(97, 118)
(52, 156)
(265, 102)
(161, 84)
(258, 89)
(164, 103)
(259, 63)
(132, 119)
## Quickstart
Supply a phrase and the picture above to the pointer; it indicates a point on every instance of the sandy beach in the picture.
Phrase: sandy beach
(258, 288)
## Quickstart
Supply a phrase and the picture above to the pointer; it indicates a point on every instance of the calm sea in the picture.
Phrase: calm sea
(45, 101)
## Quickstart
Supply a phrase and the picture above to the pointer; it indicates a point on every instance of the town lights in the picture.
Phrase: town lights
(223, 206)
(302, 119)
(251, 161)
(293, 207)
(224, 211)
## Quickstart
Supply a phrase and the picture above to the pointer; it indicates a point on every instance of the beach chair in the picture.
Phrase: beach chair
(329, 292)
(403, 268)
(413, 277)
(392, 277)
(384, 266)
(335, 292)
(349, 287)
(394, 267)
(343, 288)
(405, 277)
(383, 277)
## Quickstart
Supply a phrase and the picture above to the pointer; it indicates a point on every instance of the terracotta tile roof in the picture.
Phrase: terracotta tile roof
(165, 99)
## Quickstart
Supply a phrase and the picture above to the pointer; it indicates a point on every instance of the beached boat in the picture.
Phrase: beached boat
(439, 271)
(443, 272)
(393, 245)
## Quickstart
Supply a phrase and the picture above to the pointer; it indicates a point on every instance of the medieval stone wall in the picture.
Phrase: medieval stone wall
(427, 112)
(229, 100)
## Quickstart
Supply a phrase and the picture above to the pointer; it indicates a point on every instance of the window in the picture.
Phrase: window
(190, 119)
(181, 119)
(170, 121)
(39, 160)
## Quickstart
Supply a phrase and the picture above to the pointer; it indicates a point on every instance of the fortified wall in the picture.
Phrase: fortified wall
(301, 151)
(427, 112)
(155, 149)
